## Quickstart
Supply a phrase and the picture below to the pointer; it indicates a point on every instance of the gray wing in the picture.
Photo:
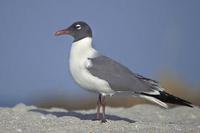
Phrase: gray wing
(119, 77)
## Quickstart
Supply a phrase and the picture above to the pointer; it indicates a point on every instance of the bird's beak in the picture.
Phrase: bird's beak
(62, 32)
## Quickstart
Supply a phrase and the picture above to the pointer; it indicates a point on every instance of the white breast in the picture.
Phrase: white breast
(80, 52)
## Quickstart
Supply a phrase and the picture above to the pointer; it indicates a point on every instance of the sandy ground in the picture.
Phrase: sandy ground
(140, 118)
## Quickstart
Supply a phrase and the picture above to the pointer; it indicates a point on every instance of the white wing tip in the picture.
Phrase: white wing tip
(152, 99)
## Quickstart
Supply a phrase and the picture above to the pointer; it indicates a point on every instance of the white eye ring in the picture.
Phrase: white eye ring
(78, 26)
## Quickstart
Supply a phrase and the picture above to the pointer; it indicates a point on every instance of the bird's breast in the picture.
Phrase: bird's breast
(80, 73)
(78, 64)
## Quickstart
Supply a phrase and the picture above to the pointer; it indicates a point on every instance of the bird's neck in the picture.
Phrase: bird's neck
(85, 43)
(82, 48)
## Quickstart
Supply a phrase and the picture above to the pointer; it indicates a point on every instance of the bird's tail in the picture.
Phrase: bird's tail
(163, 97)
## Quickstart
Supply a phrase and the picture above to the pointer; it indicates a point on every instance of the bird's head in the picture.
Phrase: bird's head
(78, 30)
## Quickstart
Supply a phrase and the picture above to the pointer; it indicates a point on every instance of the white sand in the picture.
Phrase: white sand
(140, 118)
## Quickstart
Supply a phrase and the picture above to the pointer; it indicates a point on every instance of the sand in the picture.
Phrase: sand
(139, 118)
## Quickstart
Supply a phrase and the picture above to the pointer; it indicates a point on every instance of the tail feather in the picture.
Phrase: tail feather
(155, 100)
(168, 98)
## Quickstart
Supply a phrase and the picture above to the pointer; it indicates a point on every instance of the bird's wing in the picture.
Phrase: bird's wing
(119, 77)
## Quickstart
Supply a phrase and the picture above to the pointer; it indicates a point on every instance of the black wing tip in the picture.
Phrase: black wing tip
(176, 100)
(168, 98)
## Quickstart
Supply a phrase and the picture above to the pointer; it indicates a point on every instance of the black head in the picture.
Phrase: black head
(78, 30)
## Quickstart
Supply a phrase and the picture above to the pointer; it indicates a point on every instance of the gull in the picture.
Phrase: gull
(100, 74)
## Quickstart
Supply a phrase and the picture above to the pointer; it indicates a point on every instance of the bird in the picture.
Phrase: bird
(98, 73)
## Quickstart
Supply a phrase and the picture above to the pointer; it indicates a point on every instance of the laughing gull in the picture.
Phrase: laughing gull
(105, 76)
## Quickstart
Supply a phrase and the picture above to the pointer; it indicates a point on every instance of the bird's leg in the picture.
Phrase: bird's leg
(98, 106)
(103, 103)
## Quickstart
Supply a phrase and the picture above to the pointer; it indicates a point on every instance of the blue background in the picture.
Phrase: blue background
(150, 37)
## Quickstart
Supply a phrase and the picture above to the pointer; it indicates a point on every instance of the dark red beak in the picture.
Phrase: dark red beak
(62, 32)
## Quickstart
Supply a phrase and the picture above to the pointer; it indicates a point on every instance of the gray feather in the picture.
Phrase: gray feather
(119, 77)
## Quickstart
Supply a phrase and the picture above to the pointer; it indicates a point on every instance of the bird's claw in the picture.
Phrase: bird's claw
(103, 121)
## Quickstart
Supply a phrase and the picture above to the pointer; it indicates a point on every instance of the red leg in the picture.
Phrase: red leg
(103, 103)
(98, 106)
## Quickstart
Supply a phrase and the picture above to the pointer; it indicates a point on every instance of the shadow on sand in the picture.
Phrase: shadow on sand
(82, 116)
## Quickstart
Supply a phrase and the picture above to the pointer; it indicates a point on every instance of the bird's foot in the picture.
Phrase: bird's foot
(103, 121)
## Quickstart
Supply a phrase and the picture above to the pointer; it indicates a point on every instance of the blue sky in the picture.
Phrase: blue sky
(147, 36)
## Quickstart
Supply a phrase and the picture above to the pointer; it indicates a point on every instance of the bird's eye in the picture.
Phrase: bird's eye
(78, 26)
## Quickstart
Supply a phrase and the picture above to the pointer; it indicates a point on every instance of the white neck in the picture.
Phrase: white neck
(82, 49)
(82, 46)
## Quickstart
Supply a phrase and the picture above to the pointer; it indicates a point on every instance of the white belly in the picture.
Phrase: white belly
(80, 52)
